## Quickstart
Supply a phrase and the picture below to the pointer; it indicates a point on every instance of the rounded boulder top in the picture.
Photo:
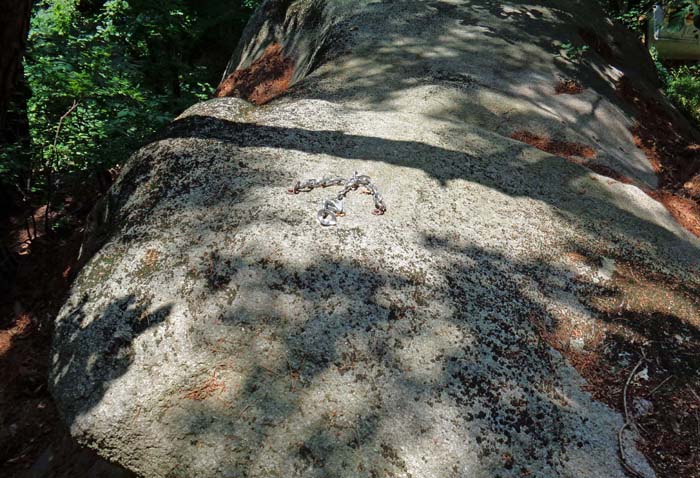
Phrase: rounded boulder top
(218, 330)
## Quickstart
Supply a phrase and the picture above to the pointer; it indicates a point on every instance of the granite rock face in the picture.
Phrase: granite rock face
(219, 331)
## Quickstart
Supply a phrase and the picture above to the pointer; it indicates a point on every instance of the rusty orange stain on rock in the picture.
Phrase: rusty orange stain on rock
(553, 146)
(673, 157)
(266, 78)
(568, 87)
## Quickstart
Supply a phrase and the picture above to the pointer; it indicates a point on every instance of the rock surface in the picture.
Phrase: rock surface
(219, 331)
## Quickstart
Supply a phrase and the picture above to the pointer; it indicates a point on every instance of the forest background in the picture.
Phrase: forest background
(97, 79)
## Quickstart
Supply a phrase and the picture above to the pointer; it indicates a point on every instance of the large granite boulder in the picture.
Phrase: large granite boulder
(220, 331)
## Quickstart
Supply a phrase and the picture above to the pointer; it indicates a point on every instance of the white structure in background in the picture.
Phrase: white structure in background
(678, 43)
(657, 20)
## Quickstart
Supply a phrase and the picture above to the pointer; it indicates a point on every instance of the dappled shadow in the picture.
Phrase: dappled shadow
(527, 179)
(444, 379)
(493, 64)
(97, 350)
(406, 344)
(643, 315)
(648, 310)
(458, 348)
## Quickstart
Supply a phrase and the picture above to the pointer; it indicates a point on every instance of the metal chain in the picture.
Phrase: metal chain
(333, 207)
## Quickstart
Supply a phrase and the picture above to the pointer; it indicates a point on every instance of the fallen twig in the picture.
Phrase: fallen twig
(658, 387)
(627, 384)
(628, 421)
(694, 393)
(245, 409)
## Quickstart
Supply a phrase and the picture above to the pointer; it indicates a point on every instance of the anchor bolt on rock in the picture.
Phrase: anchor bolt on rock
(332, 208)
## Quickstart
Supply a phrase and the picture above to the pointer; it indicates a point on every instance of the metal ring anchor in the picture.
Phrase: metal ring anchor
(326, 218)
(328, 214)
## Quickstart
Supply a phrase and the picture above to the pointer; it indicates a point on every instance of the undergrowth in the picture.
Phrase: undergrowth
(681, 81)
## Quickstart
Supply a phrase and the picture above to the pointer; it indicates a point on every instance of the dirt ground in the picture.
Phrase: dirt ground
(652, 321)
(33, 441)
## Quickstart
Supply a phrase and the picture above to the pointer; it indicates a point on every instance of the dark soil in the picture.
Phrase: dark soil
(685, 210)
(644, 315)
(34, 443)
(675, 158)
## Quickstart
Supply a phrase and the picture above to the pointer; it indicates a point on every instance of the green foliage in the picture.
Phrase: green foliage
(681, 83)
(636, 11)
(683, 87)
(574, 52)
(251, 3)
(131, 66)
(122, 66)
(663, 72)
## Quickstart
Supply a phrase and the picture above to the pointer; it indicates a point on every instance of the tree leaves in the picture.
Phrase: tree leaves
(132, 65)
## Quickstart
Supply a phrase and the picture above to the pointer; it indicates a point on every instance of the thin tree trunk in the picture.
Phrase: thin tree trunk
(14, 27)
(49, 169)
(14, 127)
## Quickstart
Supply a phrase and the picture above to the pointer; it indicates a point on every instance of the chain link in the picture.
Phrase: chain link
(333, 207)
